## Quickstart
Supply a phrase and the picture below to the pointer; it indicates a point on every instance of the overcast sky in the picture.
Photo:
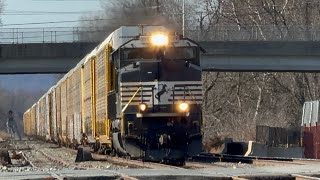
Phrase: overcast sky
(46, 5)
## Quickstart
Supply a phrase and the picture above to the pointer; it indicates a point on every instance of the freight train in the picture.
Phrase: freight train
(137, 94)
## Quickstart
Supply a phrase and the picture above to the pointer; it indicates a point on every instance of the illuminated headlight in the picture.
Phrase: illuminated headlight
(183, 107)
(159, 40)
(143, 107)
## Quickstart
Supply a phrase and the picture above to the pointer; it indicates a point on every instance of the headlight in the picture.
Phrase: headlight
(143, 107)
(159, 40)
(183, 107)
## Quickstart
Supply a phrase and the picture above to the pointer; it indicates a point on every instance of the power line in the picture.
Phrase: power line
(73, 21)
(45, 12)
(37, 14)
(58, 27)
(68, 0)
(65, 33)
(56, 22)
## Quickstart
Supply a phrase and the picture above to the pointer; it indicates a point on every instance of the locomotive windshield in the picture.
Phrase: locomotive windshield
(167, 64)
(173, 53)
(184, 53)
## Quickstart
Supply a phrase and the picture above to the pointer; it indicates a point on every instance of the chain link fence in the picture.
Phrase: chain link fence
(255, 33)
(219, 33)
(48, 35)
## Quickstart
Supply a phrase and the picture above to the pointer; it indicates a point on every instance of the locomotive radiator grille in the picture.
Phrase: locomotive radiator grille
(162, 93)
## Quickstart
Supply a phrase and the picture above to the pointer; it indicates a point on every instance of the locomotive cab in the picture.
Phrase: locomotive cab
(156, 102)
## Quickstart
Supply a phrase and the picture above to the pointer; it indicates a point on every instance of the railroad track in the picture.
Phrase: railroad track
(58, 161)
(130, 162)
(275, 176)
(41, 156)
(38, 159)
(26, 158)
(211, 158)
(119, 161)
(203, 160)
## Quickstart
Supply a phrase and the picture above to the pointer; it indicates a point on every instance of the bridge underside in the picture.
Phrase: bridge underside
(208, 63)
(261, 56)
(37, 66)
(42, 57)
(271, 63)
(219, 56)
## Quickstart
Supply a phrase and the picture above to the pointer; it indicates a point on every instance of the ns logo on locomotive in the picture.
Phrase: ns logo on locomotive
(139, 95)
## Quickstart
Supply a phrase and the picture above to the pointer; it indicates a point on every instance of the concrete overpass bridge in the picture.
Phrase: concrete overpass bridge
(42, 57)
(302, 56)
(220, 56)
(57, 51)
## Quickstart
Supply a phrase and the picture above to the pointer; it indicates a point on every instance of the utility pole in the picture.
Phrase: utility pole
(201, 21)
(308, 21)
(158, 7)
(183, 17)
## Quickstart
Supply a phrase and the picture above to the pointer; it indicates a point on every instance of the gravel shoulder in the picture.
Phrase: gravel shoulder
(37, 156)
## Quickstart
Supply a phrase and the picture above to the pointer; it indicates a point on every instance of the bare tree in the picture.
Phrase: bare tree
(2, 6)
(133, 12)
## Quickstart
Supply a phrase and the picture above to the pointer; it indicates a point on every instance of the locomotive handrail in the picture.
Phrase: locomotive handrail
(192, 95)
(125, 107)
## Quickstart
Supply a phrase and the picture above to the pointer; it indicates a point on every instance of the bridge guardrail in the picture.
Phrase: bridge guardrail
(48, 35)
(97, 34)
